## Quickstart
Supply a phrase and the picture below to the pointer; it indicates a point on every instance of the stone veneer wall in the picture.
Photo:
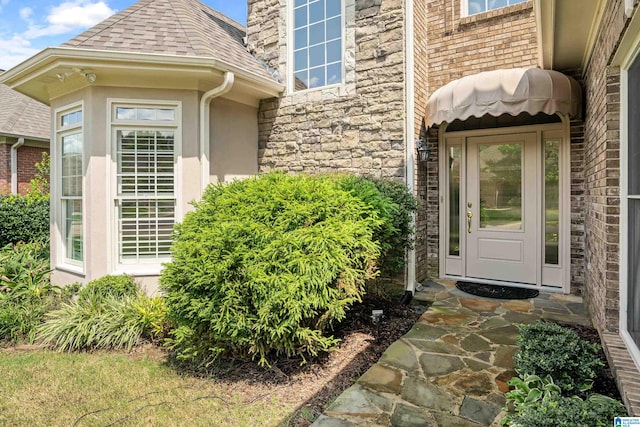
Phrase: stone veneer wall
(456, 47)
(356, 127)
(602, 172)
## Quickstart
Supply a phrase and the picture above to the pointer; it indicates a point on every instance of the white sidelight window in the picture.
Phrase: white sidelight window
(146, 148)
(472, 7)
(317, 43)
(69, 138)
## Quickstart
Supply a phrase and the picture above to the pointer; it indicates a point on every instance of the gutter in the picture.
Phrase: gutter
(205, 125)
(14, 165)
(409, 139)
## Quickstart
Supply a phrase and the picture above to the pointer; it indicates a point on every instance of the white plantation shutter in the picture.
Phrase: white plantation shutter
(145, 194)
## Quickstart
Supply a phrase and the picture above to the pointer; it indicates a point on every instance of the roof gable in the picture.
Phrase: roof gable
(23, 116)
(172, 27)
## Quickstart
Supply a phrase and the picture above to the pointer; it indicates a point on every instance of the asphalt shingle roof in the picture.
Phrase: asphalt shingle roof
(23, 116)
(175, 27)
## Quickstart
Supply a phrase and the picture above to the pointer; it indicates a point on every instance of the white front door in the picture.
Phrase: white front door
(501, 208)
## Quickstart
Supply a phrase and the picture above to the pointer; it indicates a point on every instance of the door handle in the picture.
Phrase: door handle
(469, 216)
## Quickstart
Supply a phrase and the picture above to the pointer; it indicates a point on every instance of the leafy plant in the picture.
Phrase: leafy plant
(546, 348)
(595, 411)
(26, 292)
(98, 321)
(40, 184)
(118, 286)
(266, 265)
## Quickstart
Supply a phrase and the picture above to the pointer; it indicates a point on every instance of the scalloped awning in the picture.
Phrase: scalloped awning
(514, 91)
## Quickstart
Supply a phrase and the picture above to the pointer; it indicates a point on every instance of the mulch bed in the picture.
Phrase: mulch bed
(313, 386)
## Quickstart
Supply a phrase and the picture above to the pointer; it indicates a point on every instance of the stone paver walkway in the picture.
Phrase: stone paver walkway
(451, 369)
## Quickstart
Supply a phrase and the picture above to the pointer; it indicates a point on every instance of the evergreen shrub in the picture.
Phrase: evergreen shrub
(23, 219)
(396, 206)
(118, 286)
(546, 348)
(263, 267)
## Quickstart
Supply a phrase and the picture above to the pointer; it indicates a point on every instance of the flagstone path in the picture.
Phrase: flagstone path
(451, 369)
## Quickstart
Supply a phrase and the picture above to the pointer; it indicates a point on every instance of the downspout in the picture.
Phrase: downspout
(205, 125)
(409, 138)
(14, 165)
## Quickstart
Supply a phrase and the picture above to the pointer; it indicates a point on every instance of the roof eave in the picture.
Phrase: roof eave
(564, 41)
(52, 57)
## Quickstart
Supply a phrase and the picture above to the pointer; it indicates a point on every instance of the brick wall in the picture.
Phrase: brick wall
(357, 127)
(27, 158)
(602, 172)
(452, 47)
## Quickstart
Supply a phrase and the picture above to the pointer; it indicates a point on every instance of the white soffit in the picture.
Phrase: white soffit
(512, 91)
(566, 31)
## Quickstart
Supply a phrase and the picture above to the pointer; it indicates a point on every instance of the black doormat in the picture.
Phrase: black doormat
(496, 291)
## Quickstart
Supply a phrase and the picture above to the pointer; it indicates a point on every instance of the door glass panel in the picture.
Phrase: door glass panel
(500, 184)
(454, 200)
(551, 201)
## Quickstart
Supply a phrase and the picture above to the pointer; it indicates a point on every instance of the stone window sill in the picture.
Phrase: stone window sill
(496, 13)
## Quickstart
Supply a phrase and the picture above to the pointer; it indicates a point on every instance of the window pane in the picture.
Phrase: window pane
(302, 80)
(316, 77)
(551, 202)
(164, 114)
(334, 51)
(633, 291)
(72, 165)
(125, 113)
(454, 200)
(495, 4)
(300, 38)
(316, 56)
(73, 229)
(333, 8)
(476, 6)
(300, 2)
(634, 128)
(316, 33)
(334, 28)
(316, 11)
(300, 17)
(334, 74)
(300, 60)
(500, 186)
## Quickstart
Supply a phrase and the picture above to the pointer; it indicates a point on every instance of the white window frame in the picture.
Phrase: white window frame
(57, 209)
(149, 267)
(464, 8)
(291, 48)
(627, 61)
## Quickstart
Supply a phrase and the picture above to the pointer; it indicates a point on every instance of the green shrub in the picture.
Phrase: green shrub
(595, 411)
(118, 286)
(267, 265)
(99, 321)
(546, 348)
(395, 205)
(23, 219)
(26, 292)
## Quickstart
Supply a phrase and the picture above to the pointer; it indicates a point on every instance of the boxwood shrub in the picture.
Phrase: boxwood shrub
(23, 219)
(263, 267)
(546, 348)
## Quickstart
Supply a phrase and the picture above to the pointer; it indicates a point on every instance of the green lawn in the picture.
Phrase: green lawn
(43, 388)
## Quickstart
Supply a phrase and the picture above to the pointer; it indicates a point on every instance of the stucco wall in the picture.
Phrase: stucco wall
(356, 127)
(234, 141)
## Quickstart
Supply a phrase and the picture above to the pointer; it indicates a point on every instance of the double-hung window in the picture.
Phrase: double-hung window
(146, 150)
(69, 138)
(472, 7)
(317, 43)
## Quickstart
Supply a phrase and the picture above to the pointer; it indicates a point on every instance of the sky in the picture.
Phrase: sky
(28, 26)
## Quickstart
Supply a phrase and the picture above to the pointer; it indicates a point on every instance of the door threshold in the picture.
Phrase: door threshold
(543, 288)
